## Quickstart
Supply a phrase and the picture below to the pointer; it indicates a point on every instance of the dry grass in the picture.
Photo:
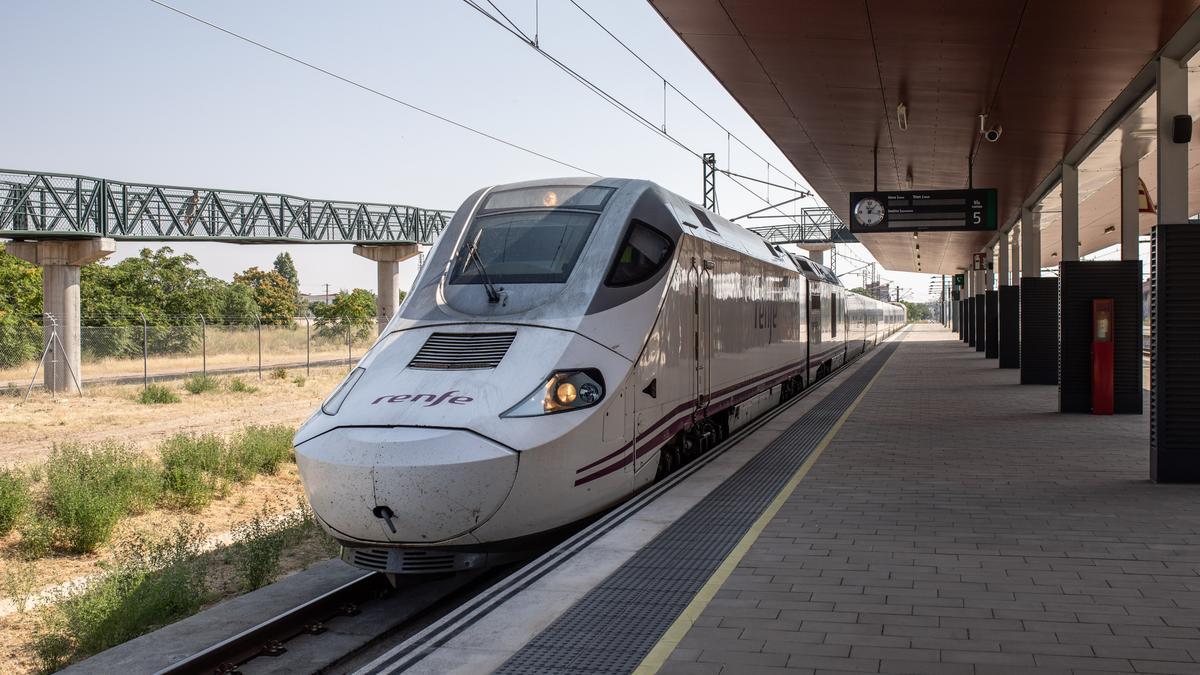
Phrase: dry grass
(226, 347)
(29, 431)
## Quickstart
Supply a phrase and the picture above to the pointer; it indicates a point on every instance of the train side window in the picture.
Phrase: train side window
(642, 254)
(833, 313)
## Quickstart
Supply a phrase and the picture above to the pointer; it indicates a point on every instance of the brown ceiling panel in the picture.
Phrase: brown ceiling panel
(942, 22)
(1042, 69)
(731, 55)
(800, 19)
(834, 63)
(1103, 24)
(696, 17)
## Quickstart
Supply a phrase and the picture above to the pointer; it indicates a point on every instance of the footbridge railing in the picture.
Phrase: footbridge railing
(36, 204)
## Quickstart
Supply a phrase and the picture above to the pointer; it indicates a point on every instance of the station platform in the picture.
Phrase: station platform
(920, 513)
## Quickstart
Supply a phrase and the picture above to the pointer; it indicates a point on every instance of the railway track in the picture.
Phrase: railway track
(367, 606)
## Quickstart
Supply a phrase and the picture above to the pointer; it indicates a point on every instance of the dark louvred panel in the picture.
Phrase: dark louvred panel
(463, 351)
(991, 303)
(1174, 355)
(1080, 283)
(1039, 330)
(980, 323)
(1010, 326)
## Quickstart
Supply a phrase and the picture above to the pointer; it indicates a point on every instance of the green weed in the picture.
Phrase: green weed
(193, 469)
(89, 489)
(258, 545)
(14, 499)
(38, 533)
(299, 380)
(239, 386)
(155, 394)
(259, 449)
(20, 582)
(150, 583)
(200, 384)
(279, 373)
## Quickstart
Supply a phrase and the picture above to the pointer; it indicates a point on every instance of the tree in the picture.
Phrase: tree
(167, 290)
(917, 311)
(287, 269)
(354, 311)
(20, 309)
(272, 293)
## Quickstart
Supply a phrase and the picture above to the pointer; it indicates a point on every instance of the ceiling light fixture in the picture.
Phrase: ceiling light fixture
(902, 116)
(1110, 229)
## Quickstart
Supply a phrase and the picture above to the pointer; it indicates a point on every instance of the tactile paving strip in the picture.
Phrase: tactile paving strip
(614, 626)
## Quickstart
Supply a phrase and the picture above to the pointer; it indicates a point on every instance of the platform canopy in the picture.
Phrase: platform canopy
(825, 79)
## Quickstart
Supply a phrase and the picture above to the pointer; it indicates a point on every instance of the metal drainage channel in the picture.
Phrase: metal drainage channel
(562, 634)
(614, 626)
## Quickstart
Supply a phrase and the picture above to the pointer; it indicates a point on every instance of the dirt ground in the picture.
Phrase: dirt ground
(29, 431)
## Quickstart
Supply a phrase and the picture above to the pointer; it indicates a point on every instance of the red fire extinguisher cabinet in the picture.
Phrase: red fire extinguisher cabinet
(1102, 356)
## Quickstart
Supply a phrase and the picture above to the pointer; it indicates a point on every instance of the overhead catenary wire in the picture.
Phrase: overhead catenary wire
(374, 91)
(612, 100)
(677, 90)
(617, 103)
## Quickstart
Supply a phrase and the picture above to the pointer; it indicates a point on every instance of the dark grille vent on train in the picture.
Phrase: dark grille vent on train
(411, 561)
(463, 351)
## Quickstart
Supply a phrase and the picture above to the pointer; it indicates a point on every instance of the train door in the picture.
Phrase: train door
(814, 327)
(703, 336)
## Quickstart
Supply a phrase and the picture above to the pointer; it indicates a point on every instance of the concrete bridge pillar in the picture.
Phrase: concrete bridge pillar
(817, 253)
(60, 260)
(387, 257)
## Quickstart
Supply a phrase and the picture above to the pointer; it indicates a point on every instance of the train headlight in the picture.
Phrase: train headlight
(564, 390)
(333, 404)
(565, 393)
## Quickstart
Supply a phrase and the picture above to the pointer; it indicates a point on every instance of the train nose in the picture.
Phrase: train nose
(405, 484)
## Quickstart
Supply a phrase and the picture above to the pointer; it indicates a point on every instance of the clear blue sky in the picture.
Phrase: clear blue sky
(129, 90)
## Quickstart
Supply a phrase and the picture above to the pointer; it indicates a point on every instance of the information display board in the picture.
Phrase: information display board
(923, 211)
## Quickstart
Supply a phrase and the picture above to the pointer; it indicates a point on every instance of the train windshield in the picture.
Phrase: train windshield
(528, 235)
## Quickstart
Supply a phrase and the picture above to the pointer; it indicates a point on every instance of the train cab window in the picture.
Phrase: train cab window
(527, 247)
(642, 254)
(529, 235)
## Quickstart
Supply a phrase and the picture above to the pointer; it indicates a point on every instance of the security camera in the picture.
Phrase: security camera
(992, 135)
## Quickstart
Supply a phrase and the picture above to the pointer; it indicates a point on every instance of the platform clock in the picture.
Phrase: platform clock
(868, 212)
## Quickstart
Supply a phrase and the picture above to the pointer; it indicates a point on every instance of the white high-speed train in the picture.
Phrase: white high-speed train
(567, 342)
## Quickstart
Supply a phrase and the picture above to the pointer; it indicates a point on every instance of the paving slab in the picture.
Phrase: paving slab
(958, 523)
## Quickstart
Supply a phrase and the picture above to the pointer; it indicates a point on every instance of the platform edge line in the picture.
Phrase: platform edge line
(657, 657)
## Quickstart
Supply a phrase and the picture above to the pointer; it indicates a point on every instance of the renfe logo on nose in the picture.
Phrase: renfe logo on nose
(430, 399)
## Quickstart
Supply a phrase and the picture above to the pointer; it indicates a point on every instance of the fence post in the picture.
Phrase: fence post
(203, 346)
(258, 321)
(145, 352)
(307, 346)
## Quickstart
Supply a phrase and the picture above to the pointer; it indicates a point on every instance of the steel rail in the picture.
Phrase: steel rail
(267, 638)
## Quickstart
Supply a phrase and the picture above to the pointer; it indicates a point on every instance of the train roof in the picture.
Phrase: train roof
(705, 224)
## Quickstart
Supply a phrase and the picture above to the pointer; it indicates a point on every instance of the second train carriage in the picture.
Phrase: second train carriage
(566, 343)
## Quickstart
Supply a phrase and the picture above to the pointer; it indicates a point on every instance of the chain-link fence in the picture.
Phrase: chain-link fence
(140, 351)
